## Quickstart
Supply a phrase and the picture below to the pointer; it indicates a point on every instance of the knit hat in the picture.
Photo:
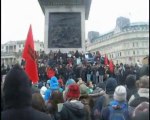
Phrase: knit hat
(54, 83)
(111, 84)
(83, 89)
(17, 88)
(80, 81)
(69, 82)
(120, 93)
(42, 91)
(97, 90)
(73, 91)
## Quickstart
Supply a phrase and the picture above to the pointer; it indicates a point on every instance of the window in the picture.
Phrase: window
(133, 52)
(128, 52)
(137, 44)
(120, 53)
(19, 45)
(137, 52)
(133, 44)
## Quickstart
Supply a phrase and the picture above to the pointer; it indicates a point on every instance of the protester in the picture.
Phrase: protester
(54, 85)
(69, 82)
(142, 93)
(85, 99)
(18, 97)
(111, 84)
(73, 109)
(131, 85)
(38, 102)
(118, 108)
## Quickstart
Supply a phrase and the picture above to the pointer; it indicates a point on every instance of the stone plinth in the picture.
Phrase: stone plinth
(65, 24)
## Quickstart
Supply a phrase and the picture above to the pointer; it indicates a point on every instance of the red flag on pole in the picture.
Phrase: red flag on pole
(30, 58)
(111, 66)
(106, 60)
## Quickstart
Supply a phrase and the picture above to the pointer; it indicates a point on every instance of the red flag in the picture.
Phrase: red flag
(111, 66)
(30, 58)
(106, 60)
(50, 72)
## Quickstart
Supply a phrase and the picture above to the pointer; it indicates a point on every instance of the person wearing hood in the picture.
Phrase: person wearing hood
(54, 85)
(143, 92)
(73, 109)
(131, 85)
(118, 103)
(18, 97)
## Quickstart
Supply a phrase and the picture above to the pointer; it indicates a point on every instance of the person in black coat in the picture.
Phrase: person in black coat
(131, 85)
(18, 97)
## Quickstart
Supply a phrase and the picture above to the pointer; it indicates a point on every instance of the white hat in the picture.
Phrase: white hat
(42, 91)
(120, 93)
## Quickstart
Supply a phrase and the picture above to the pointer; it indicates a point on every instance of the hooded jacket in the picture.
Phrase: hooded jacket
(18, 97)
(73, 110)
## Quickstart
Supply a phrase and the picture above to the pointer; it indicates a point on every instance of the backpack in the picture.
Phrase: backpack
(117, 114)
(138, 99)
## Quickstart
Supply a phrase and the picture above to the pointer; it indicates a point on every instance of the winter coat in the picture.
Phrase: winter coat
(27, 113)
(96, 102)
(130, 92)
(143, 92)
(85, 99)
(73, 110)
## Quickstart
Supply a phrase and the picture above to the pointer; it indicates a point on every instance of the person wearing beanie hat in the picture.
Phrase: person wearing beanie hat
(117, 106)
(111, 84)
(42, 91)
(120, 93)
(85, 99)
(84, 90)
(69, 82)
(73, 109)
(18, 97)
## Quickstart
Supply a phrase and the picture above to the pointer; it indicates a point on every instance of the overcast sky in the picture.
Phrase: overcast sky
(17, 15)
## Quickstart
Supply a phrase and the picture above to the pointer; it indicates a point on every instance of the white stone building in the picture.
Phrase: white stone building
(127, 43)
(11, 51)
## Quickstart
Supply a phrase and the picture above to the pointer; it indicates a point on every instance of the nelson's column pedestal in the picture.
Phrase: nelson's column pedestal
(65, 24)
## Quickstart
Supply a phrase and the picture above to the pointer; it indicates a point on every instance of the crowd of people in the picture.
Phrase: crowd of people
(72, 88)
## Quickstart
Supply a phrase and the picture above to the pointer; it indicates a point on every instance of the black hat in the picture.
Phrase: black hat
(17, 88)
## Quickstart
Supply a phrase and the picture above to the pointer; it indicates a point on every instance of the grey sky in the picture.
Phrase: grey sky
(17, 15)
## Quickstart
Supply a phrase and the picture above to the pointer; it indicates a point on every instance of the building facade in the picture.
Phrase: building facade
(127, 43)
(11, 51)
